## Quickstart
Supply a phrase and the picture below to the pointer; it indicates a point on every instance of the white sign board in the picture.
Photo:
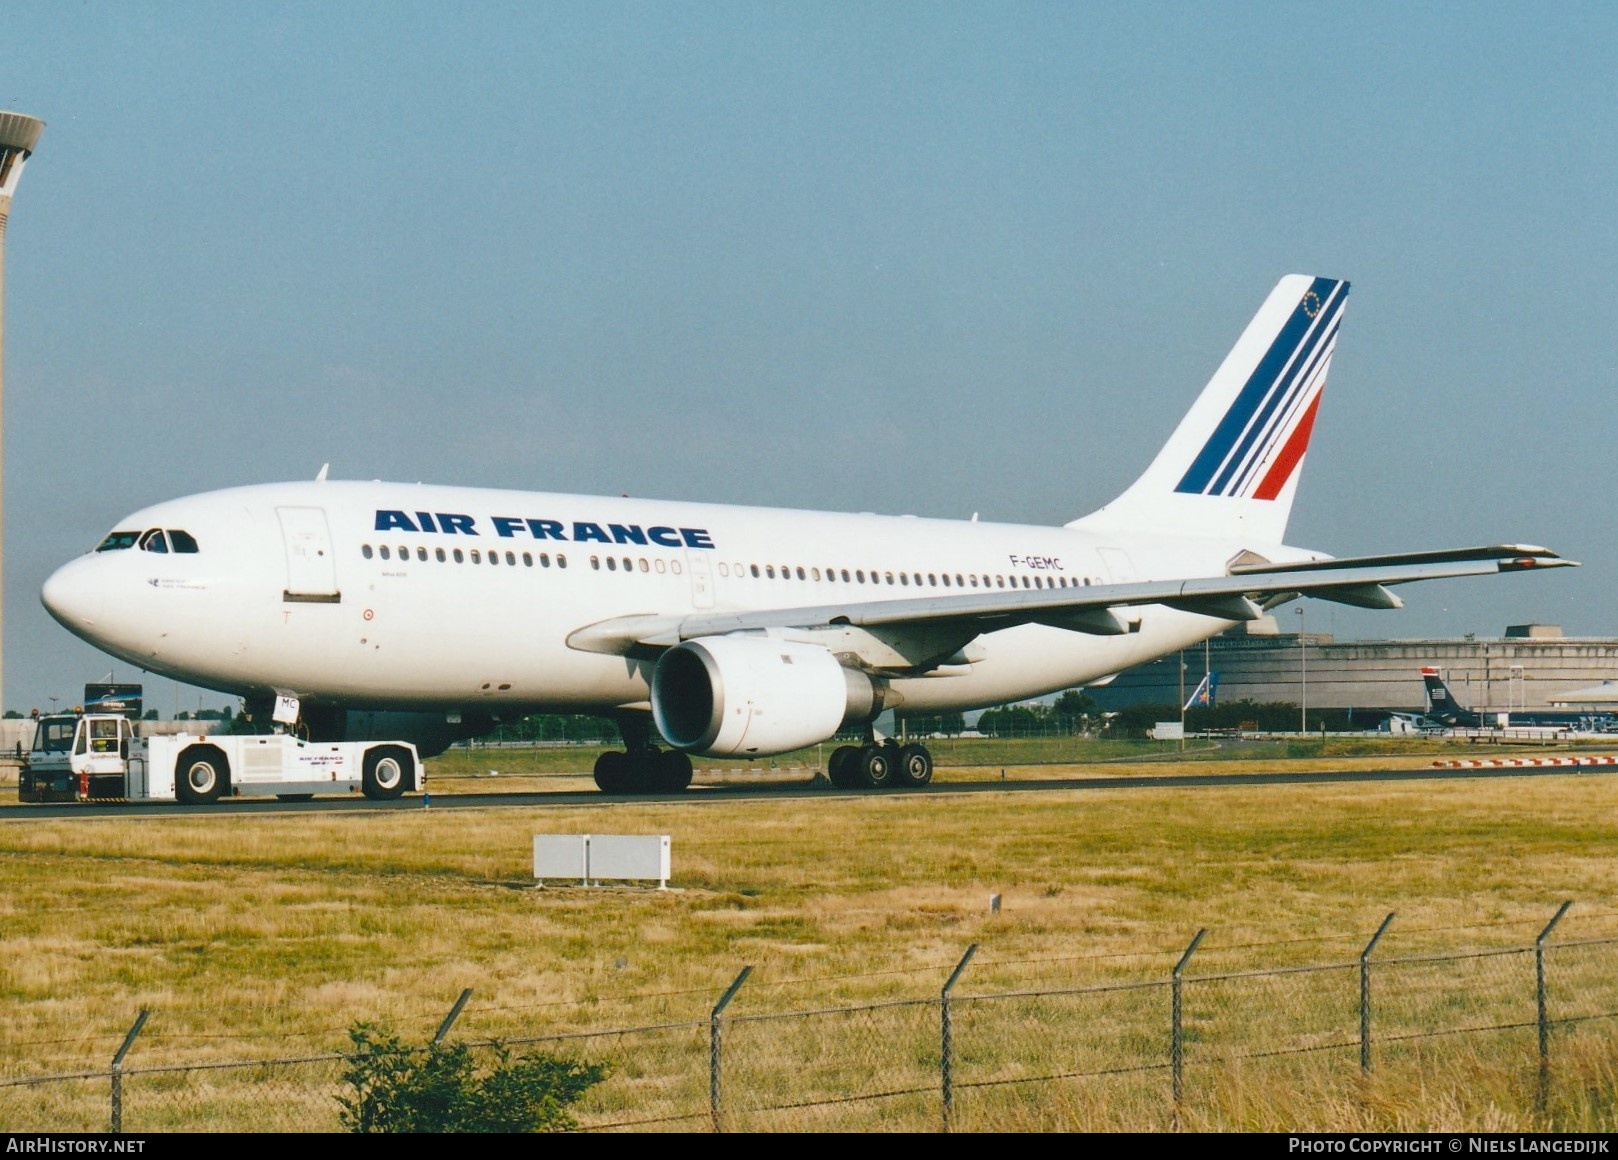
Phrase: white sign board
(593, 857)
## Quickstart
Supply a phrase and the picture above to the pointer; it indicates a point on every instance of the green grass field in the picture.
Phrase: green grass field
(267, 936)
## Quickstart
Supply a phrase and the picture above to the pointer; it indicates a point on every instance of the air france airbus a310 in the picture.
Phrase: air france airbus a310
(431, 613)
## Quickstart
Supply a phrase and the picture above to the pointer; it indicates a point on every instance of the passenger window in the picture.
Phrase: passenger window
(769, 571)
(383, 551)
(860, 574)
(544, 559)
(890, 577)
(724, 568)
(365, 550)
(612, 564)
(629, 565)
(154, 541)
(182, 541)
(643, 564)
(459, 558)
(494, 557)
(595, 562)
(675, 567)
(932, 580)
(527, 559)
(800, 572)
(421, 554)
(845, 575)
(904, 578)
(477, 557)
(814, 573)
(561, 560)
(440, 554)
(661, 566)
(753, 568)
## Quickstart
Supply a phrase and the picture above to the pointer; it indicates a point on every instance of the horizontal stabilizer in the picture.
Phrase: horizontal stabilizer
(1510, 557)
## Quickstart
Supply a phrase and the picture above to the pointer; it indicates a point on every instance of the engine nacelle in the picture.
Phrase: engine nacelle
(733, 696)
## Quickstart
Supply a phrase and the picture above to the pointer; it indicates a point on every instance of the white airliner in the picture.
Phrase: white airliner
(431, 613)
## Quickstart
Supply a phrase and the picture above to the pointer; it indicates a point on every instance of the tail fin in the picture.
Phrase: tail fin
(1439, 702)
(1231, 467)
(1441, 706)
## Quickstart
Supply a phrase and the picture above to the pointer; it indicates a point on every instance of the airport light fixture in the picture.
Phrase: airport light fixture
(18, 136)
(1303, 675)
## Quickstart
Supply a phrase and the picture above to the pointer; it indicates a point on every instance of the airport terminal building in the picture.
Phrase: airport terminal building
(1522, 670)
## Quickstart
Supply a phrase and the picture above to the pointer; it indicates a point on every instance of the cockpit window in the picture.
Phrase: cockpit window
(154, 541)
(182, 541)
(118, 541)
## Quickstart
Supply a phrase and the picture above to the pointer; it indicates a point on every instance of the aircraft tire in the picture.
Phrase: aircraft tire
(876, 766)
(612, 772)
(914, 767)
(842, 767)
(200, 775)
(672, 771)
(387, 770)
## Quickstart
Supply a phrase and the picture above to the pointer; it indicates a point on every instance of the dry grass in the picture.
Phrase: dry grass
(266, 936)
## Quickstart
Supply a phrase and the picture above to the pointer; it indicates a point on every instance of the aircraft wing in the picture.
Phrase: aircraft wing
(926, 631)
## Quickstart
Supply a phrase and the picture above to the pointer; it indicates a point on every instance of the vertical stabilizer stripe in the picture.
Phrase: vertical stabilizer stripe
(1281, 470)
(1260, 430)
(1235, 440)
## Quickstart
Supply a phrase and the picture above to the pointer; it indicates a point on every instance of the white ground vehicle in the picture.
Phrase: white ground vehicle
(109, 761)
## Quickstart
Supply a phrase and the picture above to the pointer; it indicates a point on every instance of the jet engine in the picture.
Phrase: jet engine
(733, 696)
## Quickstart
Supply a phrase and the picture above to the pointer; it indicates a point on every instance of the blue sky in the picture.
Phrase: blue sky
(932, 258)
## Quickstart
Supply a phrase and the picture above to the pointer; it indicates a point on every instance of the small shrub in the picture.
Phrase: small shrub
(441, 1088)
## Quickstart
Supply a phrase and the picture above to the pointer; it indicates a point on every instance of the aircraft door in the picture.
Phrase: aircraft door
(701, 579)
(311, 568)
(1120, 568)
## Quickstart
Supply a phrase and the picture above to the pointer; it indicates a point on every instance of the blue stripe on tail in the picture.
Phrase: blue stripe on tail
(1303, 333)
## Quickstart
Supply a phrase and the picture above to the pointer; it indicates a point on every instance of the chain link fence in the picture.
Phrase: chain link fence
(1172, 1047)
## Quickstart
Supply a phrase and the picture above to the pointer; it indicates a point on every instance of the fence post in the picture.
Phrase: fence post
(118, 1072)
(1365, 994)
(1177, 1043)
(454, 1014)
(1544, 1019)
(947, 1047)
(714, 1048)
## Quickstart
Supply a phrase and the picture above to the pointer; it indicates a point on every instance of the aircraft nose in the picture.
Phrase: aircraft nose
(73, 595)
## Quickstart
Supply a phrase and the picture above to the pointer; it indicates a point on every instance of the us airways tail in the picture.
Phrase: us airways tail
(1441, 704)
(1231, 467)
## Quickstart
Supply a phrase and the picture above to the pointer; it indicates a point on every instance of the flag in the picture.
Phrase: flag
(1203, 695)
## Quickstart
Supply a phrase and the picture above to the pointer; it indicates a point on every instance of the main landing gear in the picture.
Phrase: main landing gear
(644, 768)
(884, 765)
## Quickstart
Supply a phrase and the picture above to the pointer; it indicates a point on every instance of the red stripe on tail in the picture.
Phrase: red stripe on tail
(1281, 470)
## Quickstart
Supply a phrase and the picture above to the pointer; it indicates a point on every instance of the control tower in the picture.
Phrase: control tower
(18, 136)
